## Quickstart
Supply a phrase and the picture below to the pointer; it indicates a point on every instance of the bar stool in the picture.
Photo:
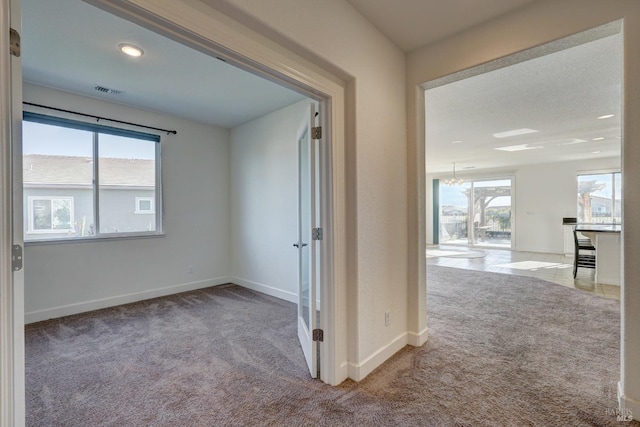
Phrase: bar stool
(580, 259)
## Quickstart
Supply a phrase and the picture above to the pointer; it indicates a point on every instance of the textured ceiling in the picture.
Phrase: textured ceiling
(411, 24)
(73, 46)
(560, 95)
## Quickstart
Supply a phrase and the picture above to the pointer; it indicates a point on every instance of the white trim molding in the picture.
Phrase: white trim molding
(417, 339)
(358, 371)
(627, 407)
(97, 304)
(266, 289)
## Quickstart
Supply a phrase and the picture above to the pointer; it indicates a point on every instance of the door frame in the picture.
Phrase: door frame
(207, 30)
(538, 42)
(12, 383)
(203, 28)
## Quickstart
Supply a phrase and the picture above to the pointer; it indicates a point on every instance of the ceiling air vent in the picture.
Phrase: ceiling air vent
(108, 91)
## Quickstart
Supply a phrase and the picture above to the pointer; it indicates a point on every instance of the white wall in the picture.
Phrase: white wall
(264, 202)
(533, 25)
(66, 278)
(542, 195)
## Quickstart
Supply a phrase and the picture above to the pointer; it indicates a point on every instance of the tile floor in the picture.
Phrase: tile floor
(551, 267)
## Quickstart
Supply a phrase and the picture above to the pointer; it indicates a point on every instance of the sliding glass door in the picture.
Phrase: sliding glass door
(454, 214)
(476, 213)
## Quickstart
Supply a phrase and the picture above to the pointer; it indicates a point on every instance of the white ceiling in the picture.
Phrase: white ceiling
(561, 95)
(73, 46)
(70, 45)
(411, 24)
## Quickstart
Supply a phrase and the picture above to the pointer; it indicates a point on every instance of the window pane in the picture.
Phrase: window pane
(58, 182)
(491, 208)
(595, 199)
(617, 211)
(127, 173)
(454, 211)
(42, 215)
(61, 214)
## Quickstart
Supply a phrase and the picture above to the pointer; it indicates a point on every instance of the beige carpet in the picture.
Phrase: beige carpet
(503, 350)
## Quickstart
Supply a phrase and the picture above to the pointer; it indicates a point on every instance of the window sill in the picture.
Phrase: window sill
(94, 239)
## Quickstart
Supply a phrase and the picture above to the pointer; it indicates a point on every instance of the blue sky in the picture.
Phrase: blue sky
(604, 179)
(40, 138)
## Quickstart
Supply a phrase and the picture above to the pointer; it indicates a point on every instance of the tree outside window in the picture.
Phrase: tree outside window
(600, 198)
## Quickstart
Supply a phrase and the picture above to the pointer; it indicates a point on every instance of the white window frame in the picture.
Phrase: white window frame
(31, 217)
(152, 204)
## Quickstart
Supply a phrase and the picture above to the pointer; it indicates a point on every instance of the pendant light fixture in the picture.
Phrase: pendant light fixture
(453, 181)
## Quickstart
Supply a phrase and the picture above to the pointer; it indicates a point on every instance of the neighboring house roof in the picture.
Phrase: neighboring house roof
(70, 170)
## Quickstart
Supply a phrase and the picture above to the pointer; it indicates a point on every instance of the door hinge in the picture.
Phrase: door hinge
(316, 234)
(14, 42)
(318, 335)
(16, 257)
(316, 132)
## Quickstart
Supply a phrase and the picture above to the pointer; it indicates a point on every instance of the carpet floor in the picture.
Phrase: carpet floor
(503, 351)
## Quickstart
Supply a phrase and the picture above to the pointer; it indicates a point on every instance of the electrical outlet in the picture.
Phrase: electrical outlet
(387, 318)
(190, 269)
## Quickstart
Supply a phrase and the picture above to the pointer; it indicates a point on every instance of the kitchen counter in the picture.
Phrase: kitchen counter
(606, 239)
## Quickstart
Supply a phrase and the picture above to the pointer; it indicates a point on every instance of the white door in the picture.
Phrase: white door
(307, 247)
(11, 237)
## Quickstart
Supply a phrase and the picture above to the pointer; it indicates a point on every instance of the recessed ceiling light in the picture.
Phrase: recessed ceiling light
(521, 147)
(456, 142)
(574, 141)
(600, 138)
(130, 49)
(469, 167)
(606, 116)
(514, 132)
(595, 152)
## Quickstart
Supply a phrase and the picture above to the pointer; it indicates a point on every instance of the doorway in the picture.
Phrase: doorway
(538, 124)
(182, 82)
(331, 97)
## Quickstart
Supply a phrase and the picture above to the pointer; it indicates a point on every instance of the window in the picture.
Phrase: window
(476, 212)
(144, 205)
(50, 215)
(600, 198)
(82, 180)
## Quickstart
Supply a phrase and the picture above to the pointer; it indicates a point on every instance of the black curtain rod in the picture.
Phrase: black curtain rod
(172, 132)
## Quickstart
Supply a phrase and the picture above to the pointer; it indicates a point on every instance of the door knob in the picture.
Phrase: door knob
(297, 245)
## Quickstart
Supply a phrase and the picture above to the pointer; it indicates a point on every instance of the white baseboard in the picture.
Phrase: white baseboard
(417, 339)
(265, 289)
(342, 373)
(81, 307)
(627, 407)
(615, 281)
(358, 371)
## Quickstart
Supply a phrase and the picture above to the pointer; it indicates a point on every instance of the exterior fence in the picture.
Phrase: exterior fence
(456, 227)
